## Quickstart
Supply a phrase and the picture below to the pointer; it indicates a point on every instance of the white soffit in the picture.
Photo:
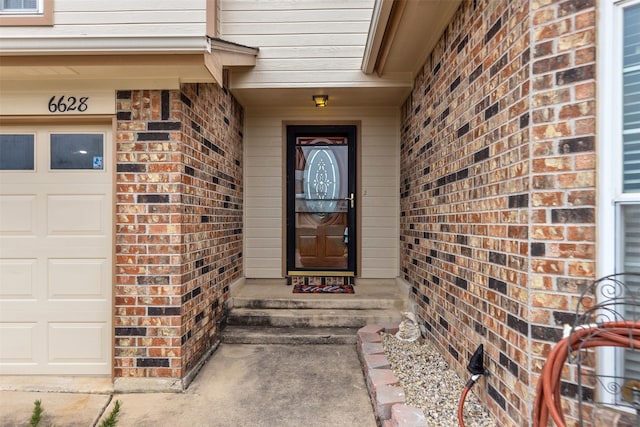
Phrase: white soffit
(259, 98)
(185, 68)
(411, 30)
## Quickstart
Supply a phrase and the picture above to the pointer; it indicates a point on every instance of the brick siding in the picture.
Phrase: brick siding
(498, 188)
(563, 177)
(178, 225)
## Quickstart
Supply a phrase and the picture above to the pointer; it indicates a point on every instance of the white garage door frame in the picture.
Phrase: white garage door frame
(56, 252)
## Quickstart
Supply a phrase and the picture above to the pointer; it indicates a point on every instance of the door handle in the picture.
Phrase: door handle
(351, 198)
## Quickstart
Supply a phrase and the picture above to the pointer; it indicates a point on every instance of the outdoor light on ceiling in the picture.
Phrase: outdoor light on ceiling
(320, 100)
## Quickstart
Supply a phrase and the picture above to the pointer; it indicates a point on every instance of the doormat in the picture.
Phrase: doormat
(321, 284)
(323, 289)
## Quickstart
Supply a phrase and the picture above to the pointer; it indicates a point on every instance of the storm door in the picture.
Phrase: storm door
(321, 202)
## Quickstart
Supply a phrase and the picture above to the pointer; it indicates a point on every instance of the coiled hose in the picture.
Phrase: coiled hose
(608, 334)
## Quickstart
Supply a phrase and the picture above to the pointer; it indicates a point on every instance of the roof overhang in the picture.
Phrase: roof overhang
(150, 64)
(226, 54)
(404, 32)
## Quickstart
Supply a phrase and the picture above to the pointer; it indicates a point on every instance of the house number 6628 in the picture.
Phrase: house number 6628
(62, 104)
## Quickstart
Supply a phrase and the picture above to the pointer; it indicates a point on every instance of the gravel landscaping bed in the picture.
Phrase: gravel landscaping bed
(429, 384)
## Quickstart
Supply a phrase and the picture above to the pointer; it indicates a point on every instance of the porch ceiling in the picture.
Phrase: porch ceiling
(338, 96)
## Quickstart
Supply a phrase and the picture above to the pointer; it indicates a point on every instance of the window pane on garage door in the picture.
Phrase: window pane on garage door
(16, 152)
(77, 151)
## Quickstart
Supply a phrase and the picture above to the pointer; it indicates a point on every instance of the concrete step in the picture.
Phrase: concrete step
(314, 318)
(318, 302)
(234, 334)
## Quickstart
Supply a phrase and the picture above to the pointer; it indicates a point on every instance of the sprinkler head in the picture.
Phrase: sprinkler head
(476, 363)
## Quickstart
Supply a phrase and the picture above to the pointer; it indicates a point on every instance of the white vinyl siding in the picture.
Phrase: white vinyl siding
(120, 18)
(263, 197)
(303, 43)
(380, 197)
(378, 183)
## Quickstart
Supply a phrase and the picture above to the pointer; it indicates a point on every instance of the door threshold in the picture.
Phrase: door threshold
(320, 280)
(322, 273)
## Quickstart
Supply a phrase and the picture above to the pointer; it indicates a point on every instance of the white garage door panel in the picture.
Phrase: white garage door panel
(78, 343)
(76, 214)
(19, 310)
(25, 311)
(18, 342)
(18, 214)
(56, 263)
(78, 278)
(17, 278)
(85, 247)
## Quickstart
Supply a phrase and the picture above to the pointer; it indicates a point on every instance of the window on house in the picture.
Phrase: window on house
(631, 100)
(619, 173)
(628, 204)
(630, 260)
(18, 13)
(21, 6)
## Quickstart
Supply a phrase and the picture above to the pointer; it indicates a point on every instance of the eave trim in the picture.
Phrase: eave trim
(228, 54)
(379, 20)
(102, 45)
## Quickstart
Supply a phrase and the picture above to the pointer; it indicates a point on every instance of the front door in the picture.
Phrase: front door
(321, 203)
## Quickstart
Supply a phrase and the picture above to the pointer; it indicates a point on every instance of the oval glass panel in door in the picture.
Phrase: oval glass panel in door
(321, 180)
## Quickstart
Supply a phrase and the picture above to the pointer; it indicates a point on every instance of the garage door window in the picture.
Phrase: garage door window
(17, 152)
(77, 151)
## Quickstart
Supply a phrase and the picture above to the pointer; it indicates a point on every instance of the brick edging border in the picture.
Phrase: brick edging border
(387, 397)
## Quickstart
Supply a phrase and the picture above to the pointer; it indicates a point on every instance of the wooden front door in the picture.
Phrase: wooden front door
(321, 200)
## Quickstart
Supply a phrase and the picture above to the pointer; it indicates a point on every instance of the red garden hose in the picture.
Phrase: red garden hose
(476, 367)
(609, 334)
(463, 397)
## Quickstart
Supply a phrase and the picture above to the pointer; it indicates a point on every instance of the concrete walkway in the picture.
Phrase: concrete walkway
(242, 385)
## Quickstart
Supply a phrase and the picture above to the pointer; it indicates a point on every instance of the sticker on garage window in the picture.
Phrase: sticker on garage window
(97, 162)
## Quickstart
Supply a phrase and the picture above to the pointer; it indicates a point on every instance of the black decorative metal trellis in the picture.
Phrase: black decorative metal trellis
(613, 299)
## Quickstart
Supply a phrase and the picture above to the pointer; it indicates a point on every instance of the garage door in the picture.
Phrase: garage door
(55, 250)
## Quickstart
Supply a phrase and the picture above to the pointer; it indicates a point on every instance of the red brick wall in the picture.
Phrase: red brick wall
(497, 188)
(178, 226)
(563, 174)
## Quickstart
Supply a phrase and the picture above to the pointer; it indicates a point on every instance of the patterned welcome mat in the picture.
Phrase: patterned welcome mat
(321, 284)
(322, 289)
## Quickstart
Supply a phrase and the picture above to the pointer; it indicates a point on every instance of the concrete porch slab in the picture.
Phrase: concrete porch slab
(240, 385)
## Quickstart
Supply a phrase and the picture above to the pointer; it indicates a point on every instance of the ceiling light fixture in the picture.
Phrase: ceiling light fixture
(320, 100)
